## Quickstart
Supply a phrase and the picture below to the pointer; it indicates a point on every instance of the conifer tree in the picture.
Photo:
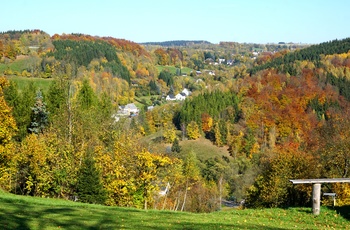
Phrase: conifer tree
(89, 185)
(20, 109)
(39, 117)
(176, 148)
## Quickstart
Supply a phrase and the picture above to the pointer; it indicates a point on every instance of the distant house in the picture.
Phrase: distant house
(186, 92)
(128, 110)
(170, 97)
(210, 72)
(180, 96)
(209, 61)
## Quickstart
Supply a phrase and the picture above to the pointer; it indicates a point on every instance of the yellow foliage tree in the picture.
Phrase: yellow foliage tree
(7, 130)
(193, 131)
(33, 161)
(130, 173)
(169, 133)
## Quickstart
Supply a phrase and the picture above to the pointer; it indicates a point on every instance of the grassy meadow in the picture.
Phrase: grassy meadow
(18, 65)
(172, 69)
(23, 212)
(39, 83)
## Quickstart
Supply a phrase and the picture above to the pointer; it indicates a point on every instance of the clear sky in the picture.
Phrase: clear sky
(251, 21)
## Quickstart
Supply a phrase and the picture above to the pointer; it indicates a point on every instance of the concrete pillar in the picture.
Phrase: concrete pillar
(316, 198)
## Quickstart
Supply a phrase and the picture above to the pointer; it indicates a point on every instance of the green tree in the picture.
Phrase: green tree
(89, 185)
(21, 110)
(57, 96)
(176, 148)
(191, 173)
(86, 96)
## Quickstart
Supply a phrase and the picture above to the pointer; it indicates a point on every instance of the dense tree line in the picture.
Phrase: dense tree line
(212, 103)
(176, 43)
(81, 53)
(312, 53)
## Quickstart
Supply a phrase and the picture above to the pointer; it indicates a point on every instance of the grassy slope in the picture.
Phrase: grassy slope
(172, 69)
(204, 148)
(21, 212)
(17, 65)
(40, 83)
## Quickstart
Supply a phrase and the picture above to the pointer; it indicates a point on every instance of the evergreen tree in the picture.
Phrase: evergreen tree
(167, 77)
(89, 185)
(154, 89)
(20, 109)
(39, 117)
(86, 96)
(176, 148)
(57, 96)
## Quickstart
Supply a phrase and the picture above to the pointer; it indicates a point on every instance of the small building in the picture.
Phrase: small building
(186, 92)
(170, 97)
(221, 60)
(180, 96)
(128, 110)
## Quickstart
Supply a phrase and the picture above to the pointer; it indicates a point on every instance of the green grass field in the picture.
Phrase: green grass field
(172, 69)
(204, 148)
(23, 212)
(18, 65)
(39, 83)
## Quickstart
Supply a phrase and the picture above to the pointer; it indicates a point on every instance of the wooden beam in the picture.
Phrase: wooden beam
(320, 181)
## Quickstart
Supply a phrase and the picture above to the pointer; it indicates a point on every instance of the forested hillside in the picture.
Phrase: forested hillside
(118, 123)
(176, 43)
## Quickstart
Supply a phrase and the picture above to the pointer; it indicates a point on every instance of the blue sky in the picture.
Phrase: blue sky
(251, 21)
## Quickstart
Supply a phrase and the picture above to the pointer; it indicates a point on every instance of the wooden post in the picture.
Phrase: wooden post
(316, 198)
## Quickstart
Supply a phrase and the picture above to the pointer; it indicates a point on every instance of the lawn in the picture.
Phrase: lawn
(23, 212)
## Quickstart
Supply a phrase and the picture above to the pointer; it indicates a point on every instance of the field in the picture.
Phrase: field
(172, 69)
(18, 65)
(204, 148)
(23, 212)
(39, 83)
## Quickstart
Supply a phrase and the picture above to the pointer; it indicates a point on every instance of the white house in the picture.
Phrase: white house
(186, 92)
(129, 109)
(180, 96)
(170, 97)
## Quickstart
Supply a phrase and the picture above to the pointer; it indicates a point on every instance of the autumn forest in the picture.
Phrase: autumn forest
(178, 125)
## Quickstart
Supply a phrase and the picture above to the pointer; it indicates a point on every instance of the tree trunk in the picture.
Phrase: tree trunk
(185, 196)
(70, 115)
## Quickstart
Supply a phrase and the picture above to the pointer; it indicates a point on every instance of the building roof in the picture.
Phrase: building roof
(131, 106)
